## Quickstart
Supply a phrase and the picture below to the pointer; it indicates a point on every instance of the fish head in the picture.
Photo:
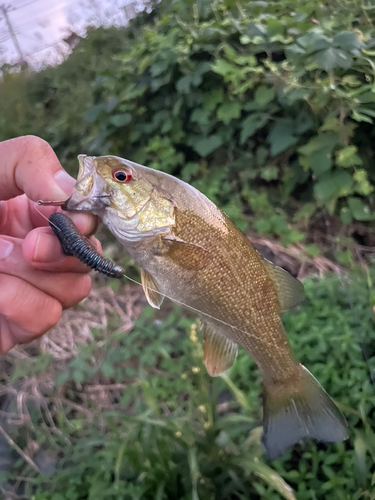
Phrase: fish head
(123, 194)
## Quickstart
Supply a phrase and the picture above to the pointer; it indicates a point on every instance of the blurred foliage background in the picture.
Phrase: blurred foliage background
(267, 107)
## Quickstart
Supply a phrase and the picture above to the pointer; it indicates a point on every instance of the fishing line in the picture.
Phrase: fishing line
(194, 309)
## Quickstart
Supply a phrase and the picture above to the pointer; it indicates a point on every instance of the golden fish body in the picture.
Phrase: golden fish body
(189, 251)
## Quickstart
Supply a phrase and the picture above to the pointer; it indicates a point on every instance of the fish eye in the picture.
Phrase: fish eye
(121, 175)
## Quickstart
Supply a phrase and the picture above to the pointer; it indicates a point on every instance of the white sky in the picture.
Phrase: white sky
(40, 25)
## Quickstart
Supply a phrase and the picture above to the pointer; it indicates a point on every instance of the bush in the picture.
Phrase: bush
(173, 432)
(238, 98)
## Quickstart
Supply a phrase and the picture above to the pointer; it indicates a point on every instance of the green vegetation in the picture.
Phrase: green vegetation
(170, 431)
(267, 107)
(261, 105)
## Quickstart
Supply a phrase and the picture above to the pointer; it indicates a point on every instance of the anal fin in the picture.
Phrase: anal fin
(219, 352)
(151, 289)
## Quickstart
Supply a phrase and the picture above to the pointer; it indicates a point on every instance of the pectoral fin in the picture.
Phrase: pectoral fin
(185, 254)
(219, 352)
(151, 289)
(289, 290)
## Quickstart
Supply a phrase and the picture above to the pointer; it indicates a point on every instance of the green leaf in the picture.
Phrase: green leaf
(363, 185)
(159, 67)
(274, 27)
(321, 160)
(224, 68)
(325, 141)
(206, 146)
(281, 136)
(251, 124)
(269, 173)
(183, 84)
(229, 111)
(107, 368)
(347, 40)
(303, 122)
(332, 184)
(346, 215)
(360, 117)
(212, 98)
(93, 113)
(299, 94)
(121, 120)
(359, 209)
(347, 157)
(264, 95)
(332, 58)
(201, 116)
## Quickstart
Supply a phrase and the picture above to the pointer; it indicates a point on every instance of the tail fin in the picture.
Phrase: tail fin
(305, 412)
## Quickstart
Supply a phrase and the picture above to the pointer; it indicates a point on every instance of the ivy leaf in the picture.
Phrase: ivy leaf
(321, 160)
(201, 116)
(359, 210)
(206, 146)
(281, 136)
(303, 122)
(223, 67)
(183, 84)
(264, 95)
(93, 113)
(331, 184)
(269, 173)
(159, 67)
(121, 120)
(347, 157)
(251, 124)
(213, 98)
(229, 111)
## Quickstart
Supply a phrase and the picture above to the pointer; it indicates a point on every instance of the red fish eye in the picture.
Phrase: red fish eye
(121, 175)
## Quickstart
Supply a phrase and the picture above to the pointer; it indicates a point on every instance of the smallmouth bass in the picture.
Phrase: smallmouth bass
(190, 252)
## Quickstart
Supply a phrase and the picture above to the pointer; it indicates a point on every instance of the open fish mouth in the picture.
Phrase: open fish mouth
(89, 192)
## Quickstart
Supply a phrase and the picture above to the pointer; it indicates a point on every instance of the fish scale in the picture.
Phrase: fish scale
(190, 252)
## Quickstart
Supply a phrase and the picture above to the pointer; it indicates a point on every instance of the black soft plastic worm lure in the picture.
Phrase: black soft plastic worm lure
(74, 243)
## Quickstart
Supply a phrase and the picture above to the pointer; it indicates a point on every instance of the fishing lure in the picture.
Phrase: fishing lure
(74, 243)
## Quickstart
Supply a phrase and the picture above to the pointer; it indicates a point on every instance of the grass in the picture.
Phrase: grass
(129, 412)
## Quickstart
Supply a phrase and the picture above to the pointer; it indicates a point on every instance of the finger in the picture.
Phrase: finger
(7, 340)
(67, 288)
(42, 250)
(86, 223)
(29, 165)
(11, 335)
(27, 308)
(20, 215)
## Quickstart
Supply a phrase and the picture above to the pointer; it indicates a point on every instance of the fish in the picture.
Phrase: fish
(190, 252)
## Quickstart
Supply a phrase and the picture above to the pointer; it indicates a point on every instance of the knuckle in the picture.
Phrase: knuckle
(36, 146)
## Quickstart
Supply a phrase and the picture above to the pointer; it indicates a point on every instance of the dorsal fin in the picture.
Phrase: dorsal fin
(219, 352)
(289, 290)
(151, 289)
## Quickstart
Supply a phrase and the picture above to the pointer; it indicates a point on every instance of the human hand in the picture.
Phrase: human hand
(37, 280)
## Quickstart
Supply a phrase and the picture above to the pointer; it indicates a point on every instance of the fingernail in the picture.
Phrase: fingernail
(6, 248)
(65, 182)
(45, 249)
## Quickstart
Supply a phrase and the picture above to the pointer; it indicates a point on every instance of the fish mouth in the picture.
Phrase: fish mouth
(89, 191)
